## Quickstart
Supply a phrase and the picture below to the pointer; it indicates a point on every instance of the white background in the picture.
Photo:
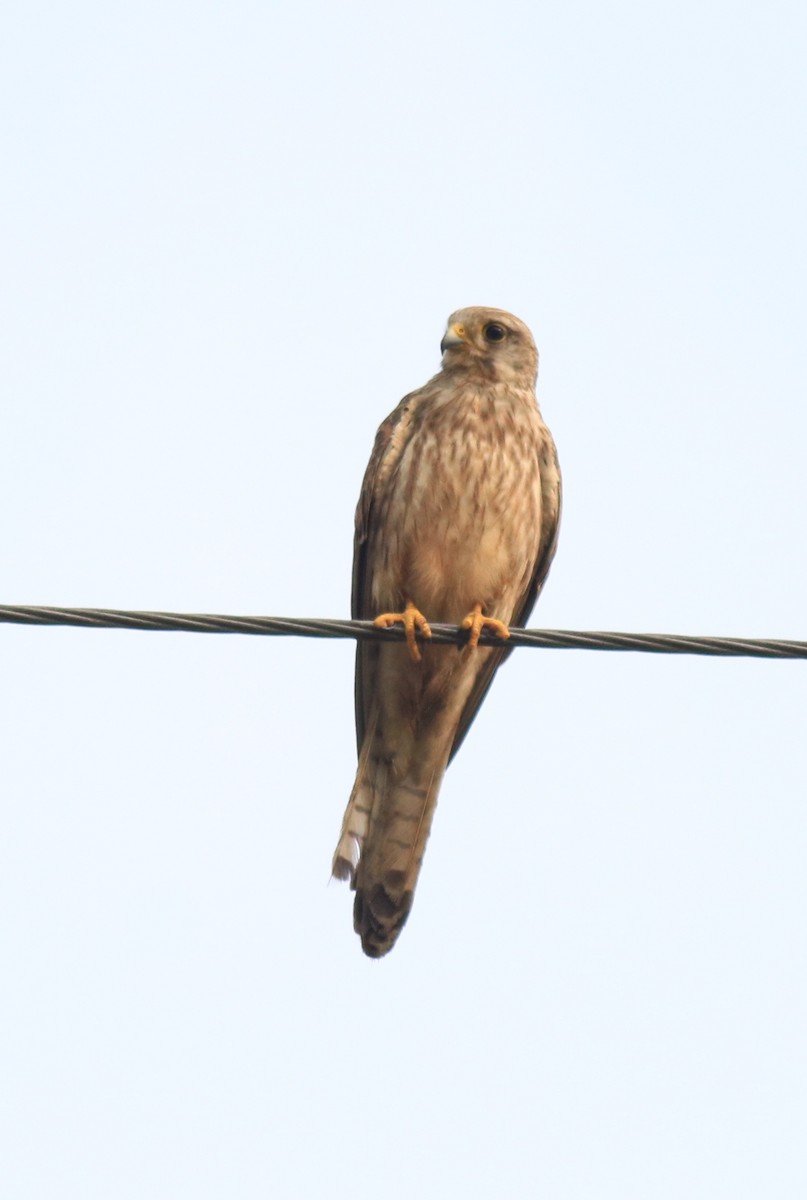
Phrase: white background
(231, 235)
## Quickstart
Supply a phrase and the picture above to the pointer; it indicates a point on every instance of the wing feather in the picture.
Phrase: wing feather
(390, 441)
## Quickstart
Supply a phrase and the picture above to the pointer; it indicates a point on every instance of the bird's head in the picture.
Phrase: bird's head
(493, 342)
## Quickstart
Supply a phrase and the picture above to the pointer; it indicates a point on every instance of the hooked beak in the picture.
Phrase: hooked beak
(454, 335)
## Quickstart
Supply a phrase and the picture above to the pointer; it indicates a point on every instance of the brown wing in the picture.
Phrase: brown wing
(545, 552)
(387, 449)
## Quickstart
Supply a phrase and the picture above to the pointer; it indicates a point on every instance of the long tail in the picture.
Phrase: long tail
(383, 839)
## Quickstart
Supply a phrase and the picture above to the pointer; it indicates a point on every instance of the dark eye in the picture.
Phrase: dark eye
(495, 332)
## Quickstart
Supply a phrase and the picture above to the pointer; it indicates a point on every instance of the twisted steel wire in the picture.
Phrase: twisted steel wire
(552, 639)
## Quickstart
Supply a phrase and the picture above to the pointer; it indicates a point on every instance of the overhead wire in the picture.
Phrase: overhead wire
(549, 639)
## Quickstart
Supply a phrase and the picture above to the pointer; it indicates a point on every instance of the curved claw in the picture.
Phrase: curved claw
(476, 623)
(413, 622)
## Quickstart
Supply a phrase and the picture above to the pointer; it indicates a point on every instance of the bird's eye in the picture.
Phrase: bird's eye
(495, 332)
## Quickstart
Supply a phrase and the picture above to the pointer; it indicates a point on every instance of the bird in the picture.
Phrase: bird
(457, 522)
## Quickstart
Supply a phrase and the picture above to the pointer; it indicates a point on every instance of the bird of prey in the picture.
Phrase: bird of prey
(457, 522)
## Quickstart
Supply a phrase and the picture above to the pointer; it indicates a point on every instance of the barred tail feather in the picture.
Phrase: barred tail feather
(381, 847)
(356, 821)
(390, 864)
(355, 826)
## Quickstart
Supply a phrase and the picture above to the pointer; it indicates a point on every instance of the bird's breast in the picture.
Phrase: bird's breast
(460, 523)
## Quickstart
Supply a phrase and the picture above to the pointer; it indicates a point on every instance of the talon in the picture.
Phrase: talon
(476, 623)
(413, 622)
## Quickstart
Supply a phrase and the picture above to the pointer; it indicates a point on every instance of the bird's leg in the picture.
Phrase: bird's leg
(476, 623)
(413, 621)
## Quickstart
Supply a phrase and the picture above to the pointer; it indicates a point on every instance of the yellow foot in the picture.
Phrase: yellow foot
(412, 620)
(476, 623)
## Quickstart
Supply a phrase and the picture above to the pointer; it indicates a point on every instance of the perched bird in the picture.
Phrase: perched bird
(457, 522)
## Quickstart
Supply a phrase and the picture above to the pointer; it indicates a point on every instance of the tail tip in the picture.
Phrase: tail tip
(379, 917)
(346, 858)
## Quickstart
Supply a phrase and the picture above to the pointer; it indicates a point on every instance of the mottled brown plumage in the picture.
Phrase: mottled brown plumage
(457, 518)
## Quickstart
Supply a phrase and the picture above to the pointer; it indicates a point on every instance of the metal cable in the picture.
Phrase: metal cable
(552, 639)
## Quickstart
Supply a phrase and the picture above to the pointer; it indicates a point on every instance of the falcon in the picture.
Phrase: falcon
(457, 522)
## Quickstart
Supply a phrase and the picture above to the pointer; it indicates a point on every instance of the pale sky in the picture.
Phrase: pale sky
(231, 236)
